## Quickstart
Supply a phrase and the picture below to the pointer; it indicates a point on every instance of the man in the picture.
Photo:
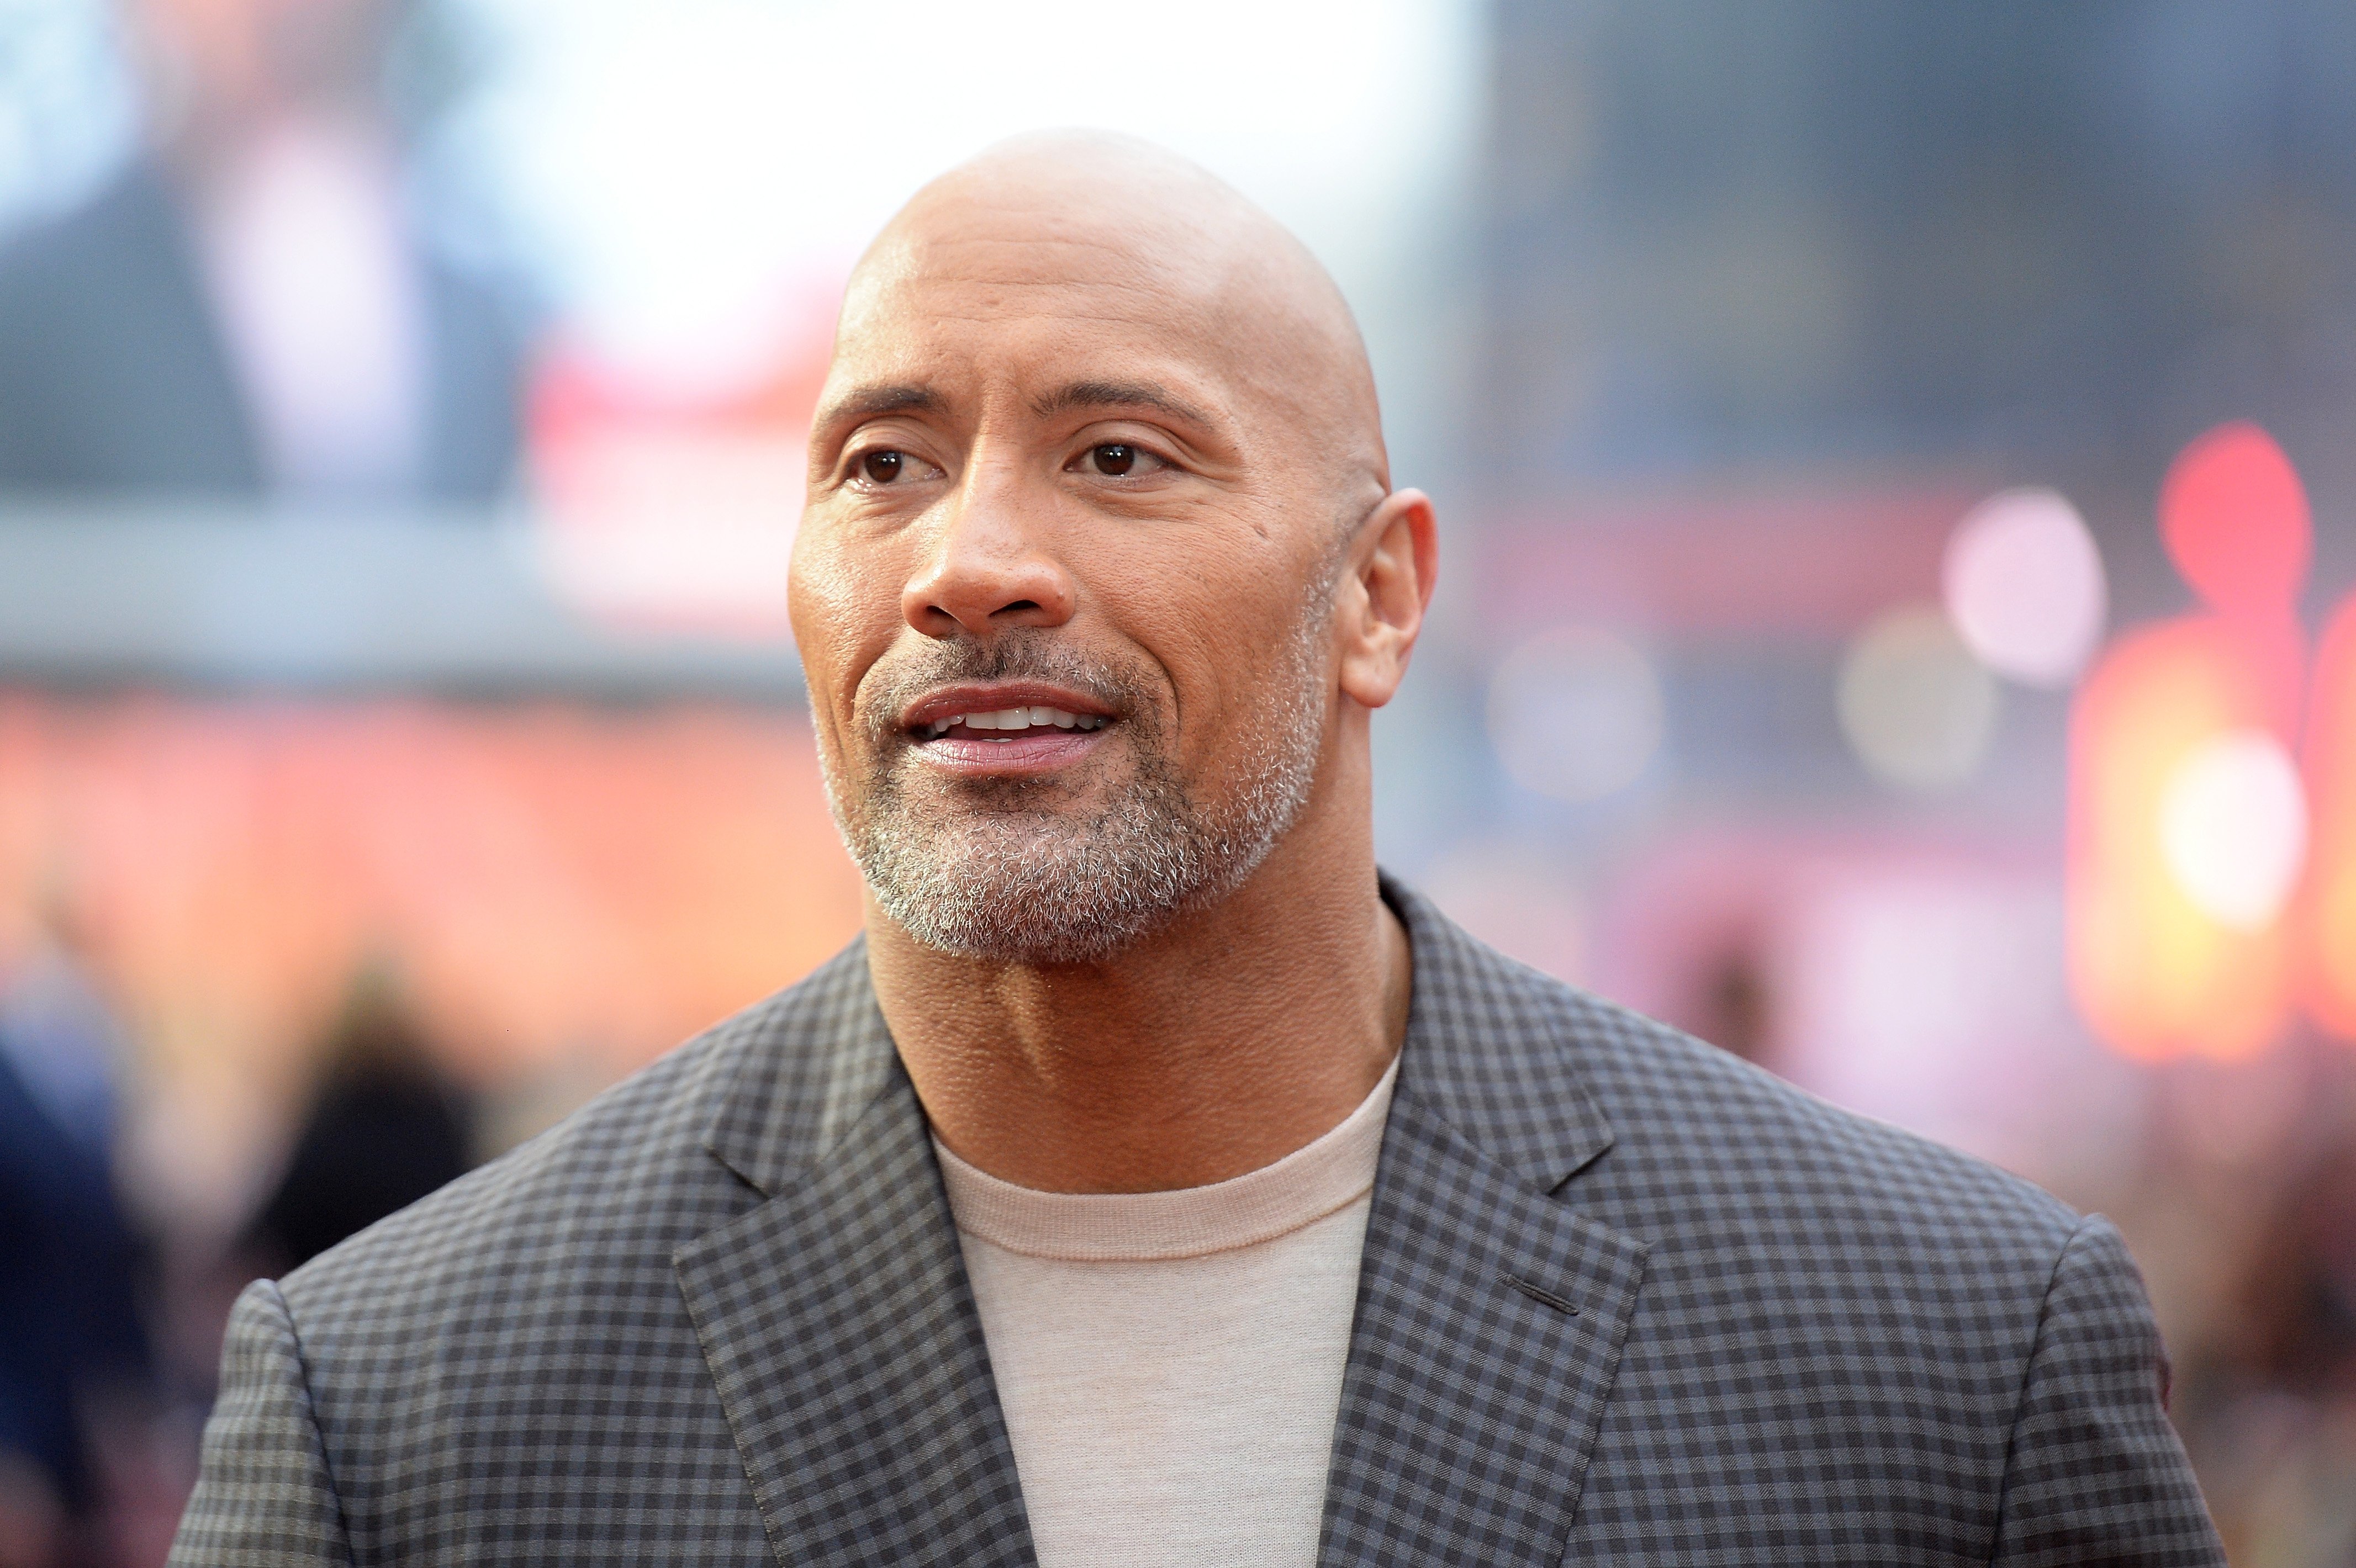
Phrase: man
(1152, 1184)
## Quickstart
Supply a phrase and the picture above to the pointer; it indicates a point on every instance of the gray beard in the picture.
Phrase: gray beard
(999, 878)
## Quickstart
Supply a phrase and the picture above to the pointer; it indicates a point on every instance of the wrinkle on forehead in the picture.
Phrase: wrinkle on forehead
(1092, 227)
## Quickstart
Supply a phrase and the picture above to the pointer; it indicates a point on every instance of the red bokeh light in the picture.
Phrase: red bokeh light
(2234, 518)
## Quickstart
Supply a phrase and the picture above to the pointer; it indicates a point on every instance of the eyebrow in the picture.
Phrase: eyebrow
(1119, 395)
(869, 402)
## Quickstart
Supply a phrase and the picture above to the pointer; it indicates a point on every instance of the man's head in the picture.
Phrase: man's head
(1099, 459)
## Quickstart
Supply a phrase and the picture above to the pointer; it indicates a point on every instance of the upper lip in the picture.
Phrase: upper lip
(990, 696)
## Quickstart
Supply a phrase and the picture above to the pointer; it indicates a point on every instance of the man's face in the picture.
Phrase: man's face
(1062, 591)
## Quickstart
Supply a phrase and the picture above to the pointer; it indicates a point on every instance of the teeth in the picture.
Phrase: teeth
(1005, 719)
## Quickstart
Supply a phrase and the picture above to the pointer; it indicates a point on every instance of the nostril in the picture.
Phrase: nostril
(1019, 604)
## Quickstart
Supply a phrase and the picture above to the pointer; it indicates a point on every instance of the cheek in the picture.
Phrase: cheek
(1221, 625)
(845, 612)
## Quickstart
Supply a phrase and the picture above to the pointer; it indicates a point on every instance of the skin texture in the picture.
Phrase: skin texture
(1059, 296)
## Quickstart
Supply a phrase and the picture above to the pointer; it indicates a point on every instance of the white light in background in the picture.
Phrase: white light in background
(1574, 713)
(684, 171)
(2232, 827)
(68, 113)
(1932, 992)
(2024, 586)
(1917, 707)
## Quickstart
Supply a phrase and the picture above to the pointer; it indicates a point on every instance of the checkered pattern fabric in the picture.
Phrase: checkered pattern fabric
(1625, 1299)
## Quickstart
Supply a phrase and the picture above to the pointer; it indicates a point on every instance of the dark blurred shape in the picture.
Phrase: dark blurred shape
(73, 1352)
(2300, 1297)
(245, 310)
(1738, 1006)
(386, 1128)
(111, 377)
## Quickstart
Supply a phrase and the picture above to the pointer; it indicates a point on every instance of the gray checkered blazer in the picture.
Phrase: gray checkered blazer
(1625, 1300)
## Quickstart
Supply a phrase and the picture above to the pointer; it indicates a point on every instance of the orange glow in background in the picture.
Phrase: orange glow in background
(2155, 972)
(2329, 947)
(563, 891)
(2212, 811)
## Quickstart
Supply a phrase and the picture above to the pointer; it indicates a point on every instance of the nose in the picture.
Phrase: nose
(988, 571)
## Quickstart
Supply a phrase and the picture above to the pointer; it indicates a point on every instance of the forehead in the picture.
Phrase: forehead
(984, 294)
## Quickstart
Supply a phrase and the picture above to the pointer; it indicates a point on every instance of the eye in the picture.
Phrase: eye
(884, 467)
(1120, 460)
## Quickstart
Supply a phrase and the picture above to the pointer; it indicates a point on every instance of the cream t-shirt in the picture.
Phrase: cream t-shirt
(1170, 1363)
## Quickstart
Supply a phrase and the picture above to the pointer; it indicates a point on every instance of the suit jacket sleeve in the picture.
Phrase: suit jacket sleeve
(264, 1498)
(2095, 1473)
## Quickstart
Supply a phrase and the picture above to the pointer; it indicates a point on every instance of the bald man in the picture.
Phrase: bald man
(1155, 1183)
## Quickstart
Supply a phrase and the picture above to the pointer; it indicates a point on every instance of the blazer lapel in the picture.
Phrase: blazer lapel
(1490, 1312)
(840, 1326)
(842, 1334)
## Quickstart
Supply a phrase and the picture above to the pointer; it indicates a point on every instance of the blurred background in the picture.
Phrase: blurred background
(1899, 614)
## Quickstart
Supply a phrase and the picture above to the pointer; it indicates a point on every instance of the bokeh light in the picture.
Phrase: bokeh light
(2235, 518)
(2330, 934)
(1917, 707)
(2024, 586)
(2157, 974)
(1576, 713)
(2232, 827)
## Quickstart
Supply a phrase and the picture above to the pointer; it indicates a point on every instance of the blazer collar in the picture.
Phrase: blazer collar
(1488, 1051)
(836, 1317)
(840, 1331)
(799, 1072)
(1490, 1311)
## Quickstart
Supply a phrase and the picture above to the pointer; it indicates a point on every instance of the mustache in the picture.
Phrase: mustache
(1024, 652)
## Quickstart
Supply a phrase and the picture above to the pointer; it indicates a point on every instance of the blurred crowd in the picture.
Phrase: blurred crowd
(239, 312)
(110, 1322)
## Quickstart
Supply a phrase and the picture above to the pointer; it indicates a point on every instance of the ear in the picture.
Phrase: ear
(1393, 565)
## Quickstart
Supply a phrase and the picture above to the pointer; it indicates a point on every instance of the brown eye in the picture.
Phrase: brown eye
(1114, 457)
(883, 467)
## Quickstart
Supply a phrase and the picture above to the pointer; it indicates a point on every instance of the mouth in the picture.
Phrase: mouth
(1009, 724)
(1005, 729)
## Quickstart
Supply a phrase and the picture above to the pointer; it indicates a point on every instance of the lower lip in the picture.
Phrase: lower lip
(1026, 753)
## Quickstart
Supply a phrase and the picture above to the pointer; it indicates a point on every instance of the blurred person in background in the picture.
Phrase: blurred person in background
(76, 1382)
(2276, 1403)
(385, 1128)
(245, 311)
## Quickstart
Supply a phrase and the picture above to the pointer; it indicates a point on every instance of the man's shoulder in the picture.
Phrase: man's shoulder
(1685, 1110)
(614, 1188)
(1695, 1142)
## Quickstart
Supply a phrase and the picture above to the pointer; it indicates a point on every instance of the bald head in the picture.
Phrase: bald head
(1112, 230)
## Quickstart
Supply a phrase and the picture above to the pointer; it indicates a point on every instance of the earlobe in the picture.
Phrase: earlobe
(1396, 559)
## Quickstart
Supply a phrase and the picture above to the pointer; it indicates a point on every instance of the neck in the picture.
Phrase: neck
(1219, 1045)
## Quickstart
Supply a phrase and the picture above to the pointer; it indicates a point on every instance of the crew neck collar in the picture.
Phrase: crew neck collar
(1319, 1178)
